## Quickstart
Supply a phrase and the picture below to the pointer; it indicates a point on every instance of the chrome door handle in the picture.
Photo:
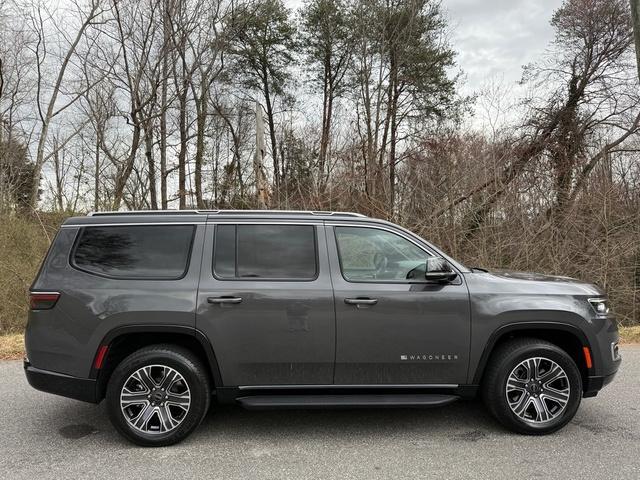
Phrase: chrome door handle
(219, 300)
(360, 301)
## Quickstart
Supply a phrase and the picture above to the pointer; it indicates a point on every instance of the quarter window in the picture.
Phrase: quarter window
(139, 251)
(275, 252)
(371, 254)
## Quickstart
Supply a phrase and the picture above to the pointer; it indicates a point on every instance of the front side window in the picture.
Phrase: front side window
(273, 252)
(137, 251)
(370, 254)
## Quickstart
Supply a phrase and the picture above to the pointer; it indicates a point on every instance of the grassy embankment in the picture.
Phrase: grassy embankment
(24, 240)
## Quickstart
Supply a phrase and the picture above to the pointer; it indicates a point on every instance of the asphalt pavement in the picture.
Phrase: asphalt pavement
(44, 436)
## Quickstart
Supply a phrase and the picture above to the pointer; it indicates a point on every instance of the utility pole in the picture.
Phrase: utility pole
(258, 161)
(635, 19)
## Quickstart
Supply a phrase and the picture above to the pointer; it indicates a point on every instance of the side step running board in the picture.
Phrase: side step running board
(260, 402)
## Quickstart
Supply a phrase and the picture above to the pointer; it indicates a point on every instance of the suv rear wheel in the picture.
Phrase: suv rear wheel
(532, 386)
(158, 395)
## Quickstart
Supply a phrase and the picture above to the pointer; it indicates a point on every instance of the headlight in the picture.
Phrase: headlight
(600, 305)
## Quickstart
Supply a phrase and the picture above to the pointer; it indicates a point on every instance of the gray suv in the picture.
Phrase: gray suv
(161, 313)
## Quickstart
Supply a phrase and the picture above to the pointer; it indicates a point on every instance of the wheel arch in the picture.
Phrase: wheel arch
(565, 336)
(122, 341)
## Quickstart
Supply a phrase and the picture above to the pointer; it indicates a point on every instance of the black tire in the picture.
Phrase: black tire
(181, 361)
(504, 360)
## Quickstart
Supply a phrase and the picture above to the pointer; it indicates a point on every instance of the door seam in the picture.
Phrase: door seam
(204, 243)
(333, 295)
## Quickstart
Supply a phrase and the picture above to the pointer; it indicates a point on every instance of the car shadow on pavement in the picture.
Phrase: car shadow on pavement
(461, 421)
(465, 421)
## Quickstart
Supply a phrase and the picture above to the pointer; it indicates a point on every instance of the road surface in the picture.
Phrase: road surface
(44, 436)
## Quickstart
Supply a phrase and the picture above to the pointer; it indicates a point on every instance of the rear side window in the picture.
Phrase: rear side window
(273, 252)
(141, 251)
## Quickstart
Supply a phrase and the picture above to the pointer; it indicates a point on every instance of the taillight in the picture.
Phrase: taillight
(43, 300)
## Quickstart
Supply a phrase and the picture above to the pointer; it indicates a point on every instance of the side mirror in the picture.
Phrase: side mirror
(439, 270)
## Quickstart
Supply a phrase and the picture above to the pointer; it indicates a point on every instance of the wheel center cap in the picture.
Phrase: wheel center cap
(533, 387)
(157, 396)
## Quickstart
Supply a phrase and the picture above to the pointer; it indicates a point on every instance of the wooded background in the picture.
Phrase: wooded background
(151, 104)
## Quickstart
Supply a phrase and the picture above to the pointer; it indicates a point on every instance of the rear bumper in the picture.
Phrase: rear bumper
(596, 383)
(83, 389)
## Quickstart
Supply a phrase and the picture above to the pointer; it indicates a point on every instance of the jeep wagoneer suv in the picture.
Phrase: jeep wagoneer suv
(165, 313)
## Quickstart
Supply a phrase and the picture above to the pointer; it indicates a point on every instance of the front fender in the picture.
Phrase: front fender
(481, 355)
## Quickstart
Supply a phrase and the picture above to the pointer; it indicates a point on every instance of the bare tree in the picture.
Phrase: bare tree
(205, 52)
(41, 21)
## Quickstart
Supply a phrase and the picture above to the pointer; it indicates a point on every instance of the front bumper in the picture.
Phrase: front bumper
(594, 384)
(83, 389)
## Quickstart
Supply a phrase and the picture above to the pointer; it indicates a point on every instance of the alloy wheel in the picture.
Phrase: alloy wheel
(155, 399)
(538, 390)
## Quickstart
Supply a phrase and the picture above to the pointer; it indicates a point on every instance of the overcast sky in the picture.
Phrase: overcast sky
(495, 38)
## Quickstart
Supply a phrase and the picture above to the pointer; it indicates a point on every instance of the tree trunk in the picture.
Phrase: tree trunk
(327, 97)
(56, 164)
(164, 107)
(148, 140)
(182, 153)
(392, 151)
(200, 135)
(123, 176)
(96, 180)
(635, 18)
(389, 119)
(163, 138)
(272, 131)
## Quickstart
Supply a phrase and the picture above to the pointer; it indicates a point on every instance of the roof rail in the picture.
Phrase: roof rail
(226, 212)
(281, 212)
(144, 212)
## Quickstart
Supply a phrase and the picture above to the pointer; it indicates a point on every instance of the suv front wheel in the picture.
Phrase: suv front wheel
(158, 395)
(532, 386)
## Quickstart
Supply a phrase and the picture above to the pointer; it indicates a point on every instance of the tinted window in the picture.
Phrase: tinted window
(265, 251)
(224, 257)
(154, 251)
(370, 254)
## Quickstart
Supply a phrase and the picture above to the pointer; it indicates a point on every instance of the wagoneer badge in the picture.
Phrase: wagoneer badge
(429, 357)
